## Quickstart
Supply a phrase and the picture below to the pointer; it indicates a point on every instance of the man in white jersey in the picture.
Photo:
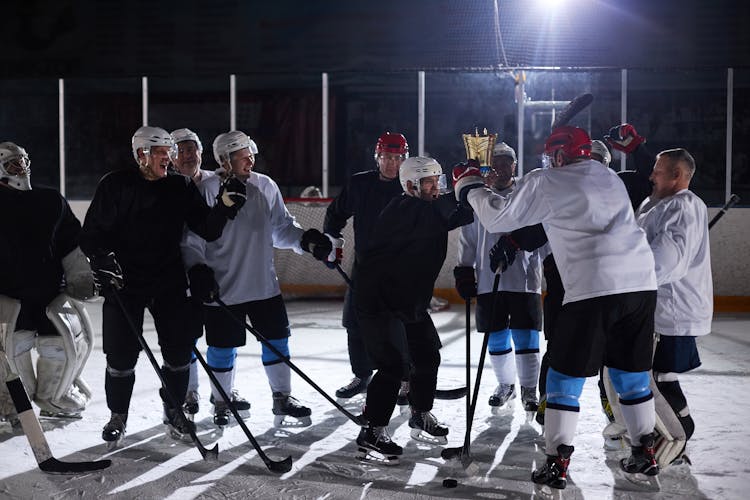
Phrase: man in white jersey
(187, 158)
(607, 270)
(676, 224)
(242, 260)
(518, 303)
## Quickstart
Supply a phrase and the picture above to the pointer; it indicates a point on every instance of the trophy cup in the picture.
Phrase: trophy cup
(479, 148)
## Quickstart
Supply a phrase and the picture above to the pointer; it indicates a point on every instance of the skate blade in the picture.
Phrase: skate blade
(113, 445)
(501, 410)
(373, 457)
(643, 482)
(60, 414)
(177, 435)
(287, 421)
(548, 492)
(426, 437)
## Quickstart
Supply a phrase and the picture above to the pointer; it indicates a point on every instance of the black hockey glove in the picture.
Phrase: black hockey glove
(316, 243)
(232, 197)
(466, 284)
(203, 285)
(107, 272)
(503, 253)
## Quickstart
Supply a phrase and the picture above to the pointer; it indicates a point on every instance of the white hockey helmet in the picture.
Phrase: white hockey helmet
(415, 168)
(229, 142)
(502, 149)
(599, 148)
(185, 134)
(19, 176)
(145, 137)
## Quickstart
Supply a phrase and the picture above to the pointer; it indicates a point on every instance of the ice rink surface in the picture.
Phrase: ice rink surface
(506, 446)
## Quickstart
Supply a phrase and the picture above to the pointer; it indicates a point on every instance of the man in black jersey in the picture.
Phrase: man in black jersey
(132, 235)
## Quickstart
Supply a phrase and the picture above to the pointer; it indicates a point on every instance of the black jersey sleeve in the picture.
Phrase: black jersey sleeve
(67, 231)
(98, 234)
(208, 223)
(530, 238)
(339, 212)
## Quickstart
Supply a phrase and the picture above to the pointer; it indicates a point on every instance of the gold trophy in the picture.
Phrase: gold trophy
(479, 148)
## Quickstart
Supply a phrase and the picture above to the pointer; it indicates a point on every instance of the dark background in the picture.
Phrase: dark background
(676, 53)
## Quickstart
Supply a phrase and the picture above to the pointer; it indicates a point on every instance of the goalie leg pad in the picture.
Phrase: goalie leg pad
(17, 345)
(62, 358)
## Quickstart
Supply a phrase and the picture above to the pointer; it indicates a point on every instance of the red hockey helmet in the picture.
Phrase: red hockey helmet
(392, 143)
(573, 141)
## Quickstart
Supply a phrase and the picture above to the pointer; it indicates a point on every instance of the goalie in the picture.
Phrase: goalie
(43, 278)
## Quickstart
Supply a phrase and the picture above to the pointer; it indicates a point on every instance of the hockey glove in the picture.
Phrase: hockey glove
(316, 243)
(503, 253)
(337, 251)
(466, 284)
(466, 176)
(624, 138)
(232, 197)
(107, 272)
(203, 285)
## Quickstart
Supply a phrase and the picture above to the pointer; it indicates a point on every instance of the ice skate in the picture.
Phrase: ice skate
(641, 467)
(240, 404)
(426, 428)
(221, 415)
(177, 428)
(192, 405)
(114, 431)
(356, 386)
(503, 394)
(529, 399)
(554, 473)
(375, 445)
(403, 394)
(288, 412)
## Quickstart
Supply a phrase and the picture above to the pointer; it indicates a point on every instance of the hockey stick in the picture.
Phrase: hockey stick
(343, 274)
(273, 465)
(35, 434)
(207, 454)
(733, 200)
(357, 420)
(574, 107)
(464, 452)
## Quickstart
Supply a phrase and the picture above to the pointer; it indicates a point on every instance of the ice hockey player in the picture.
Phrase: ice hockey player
(43, 277)
(186, 158)
(132, 235)
(607, 270)
(364, 197)
(242, 263)
(518, 303)
(397, 273)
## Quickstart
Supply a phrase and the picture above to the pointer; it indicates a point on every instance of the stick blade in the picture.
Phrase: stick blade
(210, 454)
(280, 466)
(55, 466)
(574, 107)
(456, 393)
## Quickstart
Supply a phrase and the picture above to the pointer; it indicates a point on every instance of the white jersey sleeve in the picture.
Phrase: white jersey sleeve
(286, 232)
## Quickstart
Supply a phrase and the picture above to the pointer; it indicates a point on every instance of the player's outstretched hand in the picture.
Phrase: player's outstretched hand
(317, 244)
(466, 176)
(624, 138)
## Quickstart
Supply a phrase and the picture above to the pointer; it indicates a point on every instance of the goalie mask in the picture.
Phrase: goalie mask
(15, 166)
(418, 168)
(227, 143)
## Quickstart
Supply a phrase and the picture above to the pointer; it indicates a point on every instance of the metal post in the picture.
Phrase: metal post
(144, 99)
(420, 112)
(623, 110)
(61, 130)
(521, 101)
(730, 118)
(232, 102)
(324, 124)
